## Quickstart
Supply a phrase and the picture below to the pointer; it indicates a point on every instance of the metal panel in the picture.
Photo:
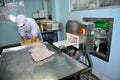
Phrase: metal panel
(17, 64)
(103, 55)
(74, 27)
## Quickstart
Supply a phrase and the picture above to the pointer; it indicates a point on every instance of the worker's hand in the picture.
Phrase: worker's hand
(33, 39)
(24, 38)
(25, 41)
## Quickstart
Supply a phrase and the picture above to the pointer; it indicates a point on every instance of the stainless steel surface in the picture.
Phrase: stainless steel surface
(17, 64)
(86, 40)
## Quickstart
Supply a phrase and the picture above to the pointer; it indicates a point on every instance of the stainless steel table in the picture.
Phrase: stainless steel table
(17, 64)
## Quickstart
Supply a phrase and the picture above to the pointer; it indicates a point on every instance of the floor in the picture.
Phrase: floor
(93, 77)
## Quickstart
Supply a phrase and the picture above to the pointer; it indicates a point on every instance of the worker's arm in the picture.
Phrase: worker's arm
(34, 30)
(22, 34)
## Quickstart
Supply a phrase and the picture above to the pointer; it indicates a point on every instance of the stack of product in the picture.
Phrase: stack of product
(48, 25)
(39, 52)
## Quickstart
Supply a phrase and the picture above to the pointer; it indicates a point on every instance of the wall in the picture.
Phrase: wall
(32, 6)
(8, 34)
(104, 70)
(8, 31)
(49, 7)
(51, 4)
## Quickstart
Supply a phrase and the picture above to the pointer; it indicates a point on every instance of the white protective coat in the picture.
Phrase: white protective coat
(30, 29)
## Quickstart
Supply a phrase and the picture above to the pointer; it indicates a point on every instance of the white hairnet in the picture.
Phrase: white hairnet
(20, 19)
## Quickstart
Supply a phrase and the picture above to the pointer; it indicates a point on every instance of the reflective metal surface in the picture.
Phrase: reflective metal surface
(17, 64)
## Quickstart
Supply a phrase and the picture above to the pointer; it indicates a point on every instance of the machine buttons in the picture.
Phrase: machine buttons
(82, 31)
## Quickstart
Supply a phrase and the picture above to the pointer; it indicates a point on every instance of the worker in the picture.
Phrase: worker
(28, 28)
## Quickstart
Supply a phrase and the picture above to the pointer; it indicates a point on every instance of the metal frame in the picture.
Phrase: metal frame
(97, 6)
(87, 46)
